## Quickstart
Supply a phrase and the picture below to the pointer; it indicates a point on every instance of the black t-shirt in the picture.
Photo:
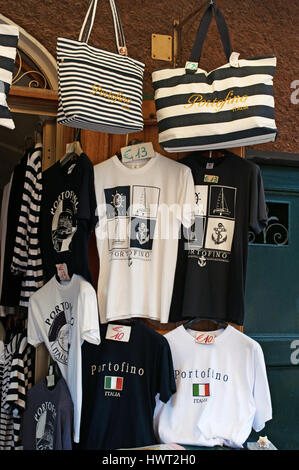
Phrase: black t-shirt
(212, 257)
(120, 381)
(68, 216)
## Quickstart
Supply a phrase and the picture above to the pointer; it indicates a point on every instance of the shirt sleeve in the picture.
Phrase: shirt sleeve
(187, 198)
(258, 210)
(33, 329)
(166, 386)
(87, 198)
(89, 316)
(261, 392)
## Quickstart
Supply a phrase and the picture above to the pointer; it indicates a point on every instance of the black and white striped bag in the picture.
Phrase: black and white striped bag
(9, 37)
(230, 106)
(99, 90)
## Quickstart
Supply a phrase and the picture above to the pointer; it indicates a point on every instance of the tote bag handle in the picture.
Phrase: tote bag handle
(203, 29)
(118, 30)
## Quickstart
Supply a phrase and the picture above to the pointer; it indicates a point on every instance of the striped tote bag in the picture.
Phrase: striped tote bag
(9, 37)
(230, 106)
(97, 89)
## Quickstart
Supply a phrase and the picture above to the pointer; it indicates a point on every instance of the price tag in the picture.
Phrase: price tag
(50, 380)
(137, 152)
(210, 166)
(191, 67)
(62, 272)
(119, 333)
(205, 338)
(211, 179)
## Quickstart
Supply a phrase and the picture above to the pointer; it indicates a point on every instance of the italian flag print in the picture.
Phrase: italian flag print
(113, 383)
(201, 390)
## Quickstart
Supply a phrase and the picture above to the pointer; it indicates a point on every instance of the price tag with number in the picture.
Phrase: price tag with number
(136, 152)
(205, 338)
(62, 272)
(119, 333)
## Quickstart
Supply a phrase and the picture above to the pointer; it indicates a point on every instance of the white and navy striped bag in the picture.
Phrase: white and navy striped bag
(230, 106)
(9, 37)
(99, 90)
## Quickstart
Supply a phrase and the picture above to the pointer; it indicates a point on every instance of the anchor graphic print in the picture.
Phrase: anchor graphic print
(211, 236)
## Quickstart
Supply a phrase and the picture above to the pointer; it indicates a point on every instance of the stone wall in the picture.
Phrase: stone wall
(257, 28)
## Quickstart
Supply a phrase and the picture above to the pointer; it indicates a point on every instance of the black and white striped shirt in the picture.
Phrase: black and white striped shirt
(27, 255)
(17, 380)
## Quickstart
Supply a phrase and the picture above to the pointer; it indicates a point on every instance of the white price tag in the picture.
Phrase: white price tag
(205, 338)
(118, 333)
(136, 152)
(50, 380)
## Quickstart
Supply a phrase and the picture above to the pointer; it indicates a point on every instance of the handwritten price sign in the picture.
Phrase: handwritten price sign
(205, 338)
(118, 333)
(137, 152)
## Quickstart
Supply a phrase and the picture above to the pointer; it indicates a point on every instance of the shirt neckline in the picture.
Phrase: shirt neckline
(64, 287)
(54, 389)
(134, 171)
(202, 161)
(226, 331)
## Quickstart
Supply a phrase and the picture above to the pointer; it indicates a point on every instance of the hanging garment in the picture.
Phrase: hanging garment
(212, 256)
(47, 423)
(120, 381)
(9, 37)
(62, 316)
(20, 382)
(140, 212)
(6, 415)
(67, 217)
(26, 260)
(222, 390)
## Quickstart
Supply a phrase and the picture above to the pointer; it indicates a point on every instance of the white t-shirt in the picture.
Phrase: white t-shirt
(140, 213)
(222, 390)
(62, 316)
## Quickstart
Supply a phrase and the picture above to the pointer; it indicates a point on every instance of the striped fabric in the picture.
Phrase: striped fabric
(229, 107)
(21, 381)
(6, 415)
(16, 379)
(27, 255)
(9, 36)
(97, 89)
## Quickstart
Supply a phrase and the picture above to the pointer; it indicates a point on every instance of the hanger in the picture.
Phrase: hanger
(73, 150)
(191, 322)
(38, 133)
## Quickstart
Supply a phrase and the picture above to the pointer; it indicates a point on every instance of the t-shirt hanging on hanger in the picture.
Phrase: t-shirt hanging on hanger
(222, 390)
(68, 216)
(48, 419)
(120, 381)
(62, 316)
(140, 211)
(212, 257)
